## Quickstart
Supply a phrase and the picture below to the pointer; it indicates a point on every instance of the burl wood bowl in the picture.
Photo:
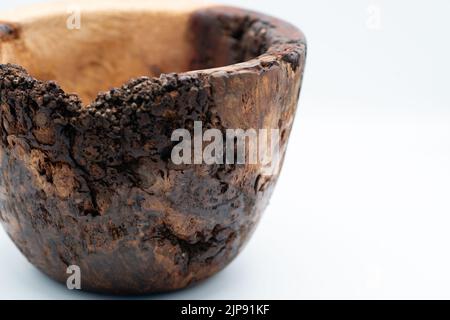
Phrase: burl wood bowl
(87, 113)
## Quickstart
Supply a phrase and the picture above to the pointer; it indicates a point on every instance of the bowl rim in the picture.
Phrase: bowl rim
(286, 37)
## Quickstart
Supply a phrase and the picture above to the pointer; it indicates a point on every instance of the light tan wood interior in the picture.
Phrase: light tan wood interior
(111, 47)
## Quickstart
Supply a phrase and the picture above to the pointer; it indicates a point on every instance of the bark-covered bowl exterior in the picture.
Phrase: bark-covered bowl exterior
(95, 186)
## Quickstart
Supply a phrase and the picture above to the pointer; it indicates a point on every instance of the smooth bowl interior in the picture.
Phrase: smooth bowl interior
(102, 49)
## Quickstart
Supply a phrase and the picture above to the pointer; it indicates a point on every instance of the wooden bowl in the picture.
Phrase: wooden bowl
(87, 178)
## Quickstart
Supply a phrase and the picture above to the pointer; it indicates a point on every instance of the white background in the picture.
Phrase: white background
(362, 208)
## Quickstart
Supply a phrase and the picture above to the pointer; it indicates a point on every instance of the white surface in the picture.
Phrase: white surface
(362, 206)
